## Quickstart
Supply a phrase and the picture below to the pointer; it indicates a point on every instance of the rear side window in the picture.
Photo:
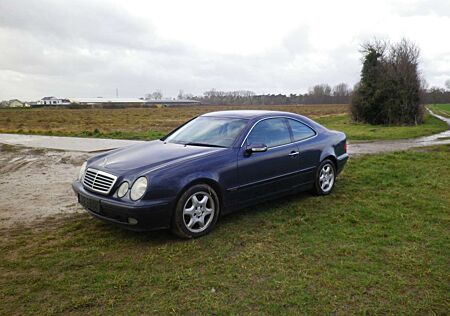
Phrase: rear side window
(300, 131)
(271, 132)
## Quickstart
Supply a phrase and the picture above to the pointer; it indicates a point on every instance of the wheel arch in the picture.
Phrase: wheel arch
(333, 160)
(329, 153)
(204, 180)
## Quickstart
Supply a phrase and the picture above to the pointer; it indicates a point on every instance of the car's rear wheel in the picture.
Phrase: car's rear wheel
(196, 212)
(325, 177)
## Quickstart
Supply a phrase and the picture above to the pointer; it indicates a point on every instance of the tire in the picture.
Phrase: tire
(325, 178)
(196, 212)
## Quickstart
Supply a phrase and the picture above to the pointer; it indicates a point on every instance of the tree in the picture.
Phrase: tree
(320, 93)
(157, 95)
(341, 93)
(390, 88)
(341, 90)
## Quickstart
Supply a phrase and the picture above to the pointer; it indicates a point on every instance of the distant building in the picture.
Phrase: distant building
(106, 101)
(111, 102)
(170, 102)
(14, 103)
(52, 101)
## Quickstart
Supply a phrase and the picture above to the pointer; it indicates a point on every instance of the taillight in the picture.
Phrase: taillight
(345, 146)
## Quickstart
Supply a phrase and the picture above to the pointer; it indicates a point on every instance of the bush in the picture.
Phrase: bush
(390, 88)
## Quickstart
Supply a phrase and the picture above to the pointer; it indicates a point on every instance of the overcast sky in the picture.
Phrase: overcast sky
(89, 48)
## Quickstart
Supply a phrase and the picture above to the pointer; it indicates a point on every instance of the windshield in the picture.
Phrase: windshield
(208, 131)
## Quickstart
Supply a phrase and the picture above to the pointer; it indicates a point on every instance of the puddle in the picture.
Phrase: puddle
(402, 144)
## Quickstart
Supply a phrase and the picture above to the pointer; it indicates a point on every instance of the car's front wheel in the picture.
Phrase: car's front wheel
(196, 212)
(325, 177)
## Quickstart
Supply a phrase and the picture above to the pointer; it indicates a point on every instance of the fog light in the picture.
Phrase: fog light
(132, 221)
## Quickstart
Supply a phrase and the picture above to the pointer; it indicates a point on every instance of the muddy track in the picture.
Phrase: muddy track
(35, 183)
(402, 144)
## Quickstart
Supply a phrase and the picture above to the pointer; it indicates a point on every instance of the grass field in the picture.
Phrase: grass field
(152, 123)
(379, 244)
(367, 132)
(441, 109)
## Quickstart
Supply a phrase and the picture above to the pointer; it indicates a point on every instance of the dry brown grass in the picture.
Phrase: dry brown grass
(131, 119)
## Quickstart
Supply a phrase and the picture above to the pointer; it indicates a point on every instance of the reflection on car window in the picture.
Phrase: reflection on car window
(271, 132)
(209, 131)
(300, 131)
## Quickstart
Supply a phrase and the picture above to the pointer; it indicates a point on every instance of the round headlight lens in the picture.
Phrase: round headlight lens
(138, 189)
(123, 189)
(82, 171)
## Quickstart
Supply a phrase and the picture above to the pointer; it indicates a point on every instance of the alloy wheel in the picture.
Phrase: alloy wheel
(198, 212)
(326, 178)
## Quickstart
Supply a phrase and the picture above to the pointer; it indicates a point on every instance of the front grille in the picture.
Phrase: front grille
(99, 181)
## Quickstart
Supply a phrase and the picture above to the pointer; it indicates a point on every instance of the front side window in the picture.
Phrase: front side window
(300, 131)
(208, 131)
(270, 132)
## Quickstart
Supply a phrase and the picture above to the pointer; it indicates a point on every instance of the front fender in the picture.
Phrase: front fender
(199, 177)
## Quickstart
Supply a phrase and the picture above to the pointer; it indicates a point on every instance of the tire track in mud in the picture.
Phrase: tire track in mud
(35, 183)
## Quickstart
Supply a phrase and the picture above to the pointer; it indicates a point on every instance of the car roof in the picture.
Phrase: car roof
(247, 114)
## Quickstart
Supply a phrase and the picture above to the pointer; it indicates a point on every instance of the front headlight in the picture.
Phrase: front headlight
(138, 189)
(82, 171)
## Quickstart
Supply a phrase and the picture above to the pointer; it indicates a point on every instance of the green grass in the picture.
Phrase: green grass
(367, 132)
(441, 109)
(354, 131)
(150, 123)
(378, 245)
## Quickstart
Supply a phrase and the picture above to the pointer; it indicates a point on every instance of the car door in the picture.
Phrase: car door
(309, 149)
(261, 174)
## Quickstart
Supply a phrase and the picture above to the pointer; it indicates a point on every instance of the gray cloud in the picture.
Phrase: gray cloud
(425, 7)
(89, 48)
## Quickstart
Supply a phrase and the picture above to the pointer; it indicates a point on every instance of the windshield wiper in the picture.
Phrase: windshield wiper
(203, 144)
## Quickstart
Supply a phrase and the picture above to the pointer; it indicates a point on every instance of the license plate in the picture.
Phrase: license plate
(92, 205)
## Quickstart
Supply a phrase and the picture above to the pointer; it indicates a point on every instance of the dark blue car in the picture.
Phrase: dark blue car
(210, 166)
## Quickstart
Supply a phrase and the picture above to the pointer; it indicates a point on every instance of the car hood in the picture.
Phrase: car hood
(149, 155)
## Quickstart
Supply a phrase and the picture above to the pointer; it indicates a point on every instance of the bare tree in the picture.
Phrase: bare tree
(341, 93)
(341, 90)
(320, 90)
(320, 93)
(157, 95)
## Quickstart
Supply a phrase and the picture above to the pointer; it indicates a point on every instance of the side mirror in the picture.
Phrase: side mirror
(255, 148)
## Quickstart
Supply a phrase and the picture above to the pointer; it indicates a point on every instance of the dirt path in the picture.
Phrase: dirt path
(81, 144)
(35, 183)
(402, 144)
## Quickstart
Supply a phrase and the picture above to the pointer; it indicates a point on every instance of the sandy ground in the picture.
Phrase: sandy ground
(35, 183)
(77, 144)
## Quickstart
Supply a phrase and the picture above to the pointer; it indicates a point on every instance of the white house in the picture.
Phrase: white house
(52, 101)
(14, 104)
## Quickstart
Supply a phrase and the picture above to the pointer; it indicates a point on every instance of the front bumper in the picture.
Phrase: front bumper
(138, 216)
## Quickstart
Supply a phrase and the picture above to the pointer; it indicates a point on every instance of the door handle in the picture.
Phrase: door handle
(294, 153)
